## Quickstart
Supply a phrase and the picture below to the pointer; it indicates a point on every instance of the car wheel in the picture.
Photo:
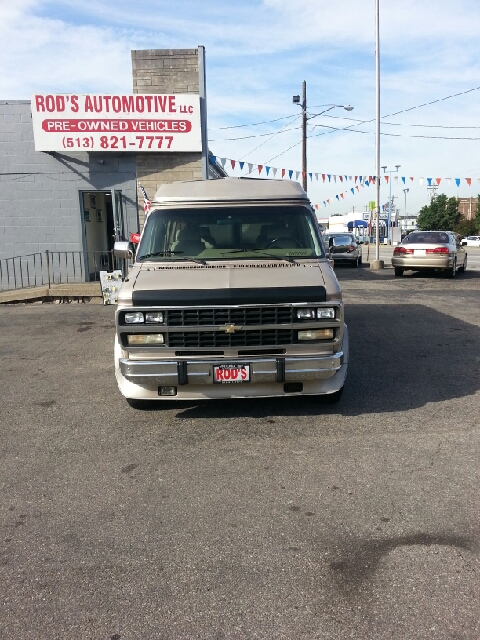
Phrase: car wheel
(332, 398)
(463, 268)
(398, 271)
(451, 273)
(355, 264)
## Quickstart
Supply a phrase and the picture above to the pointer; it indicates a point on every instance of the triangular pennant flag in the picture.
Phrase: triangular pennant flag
(241, 163)
(420, 181)
(232, 162)
(260, 167)
(429, 180)
(352, 190)
(438, 180)
(328, 200)
(328, 176)
(412, 178)
(334, 178)
(395, 178)
(341, 196)
(283, 173)
(403, 179)
(274, 171)
(386, 179)
(323, 177)
(449, 181)
(310, 177)
(316, 177)
(340, 178)
(356, 178)
(324, 203)
(297, 174)
(469, 181)
(337, 197)
(222, 161)
(349, 177)
(213, 159)
(267, 169)
(457, 181)
(373, 179)
(290, 173)
(366, 183)
(356, 187)
(316, 207)
(361, 178)
(250, 167)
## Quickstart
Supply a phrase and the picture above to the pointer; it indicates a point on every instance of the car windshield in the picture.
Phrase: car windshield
(342, 239)
(427, 237)
(225, 233)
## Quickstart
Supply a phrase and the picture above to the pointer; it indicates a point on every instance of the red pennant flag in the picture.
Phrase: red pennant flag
(469, 181)
(316, 207)
(386, 179)
(341, 178)
(438, 180)
(323, 179)
(232, 162)
(412, 178)
(283, 173)
(260, 167)
(328, 200)
(356, 187)
(356, 178)
(341, 195)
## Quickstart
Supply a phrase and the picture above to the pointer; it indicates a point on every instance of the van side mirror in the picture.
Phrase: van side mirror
(123, 249)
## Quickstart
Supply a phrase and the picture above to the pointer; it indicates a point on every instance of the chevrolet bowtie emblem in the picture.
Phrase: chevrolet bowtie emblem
(230, 328)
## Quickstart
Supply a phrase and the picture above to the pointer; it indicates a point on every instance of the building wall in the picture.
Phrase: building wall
(467, 207)
(165, 71)
(39, 192)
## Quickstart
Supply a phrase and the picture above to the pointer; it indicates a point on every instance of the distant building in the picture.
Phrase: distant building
(467, 207)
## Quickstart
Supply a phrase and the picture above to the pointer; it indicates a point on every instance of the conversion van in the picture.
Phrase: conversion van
(230, 295)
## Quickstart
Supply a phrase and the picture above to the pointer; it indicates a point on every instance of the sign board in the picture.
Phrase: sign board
(99, 122)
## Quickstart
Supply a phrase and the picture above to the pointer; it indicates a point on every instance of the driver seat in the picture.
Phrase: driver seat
(269, 232)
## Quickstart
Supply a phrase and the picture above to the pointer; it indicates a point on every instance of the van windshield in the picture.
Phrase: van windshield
(216, 233)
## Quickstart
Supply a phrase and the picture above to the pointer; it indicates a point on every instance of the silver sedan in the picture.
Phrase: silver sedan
(430, 250)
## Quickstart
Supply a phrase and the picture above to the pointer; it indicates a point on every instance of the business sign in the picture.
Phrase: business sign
(99, 122)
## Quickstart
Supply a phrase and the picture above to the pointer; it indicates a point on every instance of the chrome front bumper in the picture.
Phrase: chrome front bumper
(181, 372)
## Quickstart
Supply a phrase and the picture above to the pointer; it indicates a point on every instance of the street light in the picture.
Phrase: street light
(405, 191)
(303, 105)
(397, 167)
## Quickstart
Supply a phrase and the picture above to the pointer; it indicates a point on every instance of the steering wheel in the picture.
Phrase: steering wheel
(284, 242)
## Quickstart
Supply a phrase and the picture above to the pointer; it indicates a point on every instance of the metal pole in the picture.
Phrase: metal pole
(377, 128)
(304, 135)
(202, 90)
(389, 238)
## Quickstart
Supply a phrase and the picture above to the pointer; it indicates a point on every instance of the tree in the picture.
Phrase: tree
(441, 213)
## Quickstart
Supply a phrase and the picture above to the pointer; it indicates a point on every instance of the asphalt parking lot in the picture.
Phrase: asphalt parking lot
(247, 519)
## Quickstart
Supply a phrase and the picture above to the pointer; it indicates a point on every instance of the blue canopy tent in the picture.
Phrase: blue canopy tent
(357, 223)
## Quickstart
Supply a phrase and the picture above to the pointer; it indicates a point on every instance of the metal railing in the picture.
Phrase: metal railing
(55, 267)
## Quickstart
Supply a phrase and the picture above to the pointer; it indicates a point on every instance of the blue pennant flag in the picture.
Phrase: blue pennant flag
(403, 180)
(267, 169)
(366, 183)
(311, 178)
(328, 176)
(337, 197)
(241, 165)
(352, 190)
(213, 159)
(429, 180)
(290, 173)
(457, 181)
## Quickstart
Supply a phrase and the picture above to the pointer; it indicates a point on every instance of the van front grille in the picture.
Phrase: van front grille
(245, 316)
(253, 338)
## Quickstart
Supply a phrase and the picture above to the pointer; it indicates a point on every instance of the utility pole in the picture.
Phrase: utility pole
(432, 189)
(304, 135)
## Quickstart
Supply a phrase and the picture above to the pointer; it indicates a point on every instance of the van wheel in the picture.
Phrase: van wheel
(398, 271)
(332, 398)
(139, 404)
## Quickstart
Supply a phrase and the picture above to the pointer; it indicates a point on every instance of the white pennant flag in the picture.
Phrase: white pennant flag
(449, 181)
(334, 178)
(297, 174)
(250, 167)
(274, 170)
(316, 176)
(222, 162)
(350, 178)
(420, 180)
(395, 178)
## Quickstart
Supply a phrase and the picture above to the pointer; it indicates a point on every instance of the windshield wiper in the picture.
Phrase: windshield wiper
(265, 253)
(164, 254)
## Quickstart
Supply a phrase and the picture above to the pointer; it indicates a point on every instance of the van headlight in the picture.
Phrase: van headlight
(327, 312)
(135, 317)
(145, 338)
(306, 314)
(155, 317)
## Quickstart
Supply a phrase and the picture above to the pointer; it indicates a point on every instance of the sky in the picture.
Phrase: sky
(258, 53)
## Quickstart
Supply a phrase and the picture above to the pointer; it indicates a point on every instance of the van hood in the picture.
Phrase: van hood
(243, 282)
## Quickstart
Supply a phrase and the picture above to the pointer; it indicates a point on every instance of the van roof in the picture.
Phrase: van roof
(230, 189)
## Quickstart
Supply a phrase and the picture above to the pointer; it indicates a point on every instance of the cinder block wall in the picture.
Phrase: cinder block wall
(165, 71)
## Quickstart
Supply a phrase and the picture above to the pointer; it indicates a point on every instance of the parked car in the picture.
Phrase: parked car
(471, 241)
(343, 247)
(430, 250)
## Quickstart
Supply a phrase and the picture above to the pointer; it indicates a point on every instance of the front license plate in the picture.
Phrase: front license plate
(228, 373)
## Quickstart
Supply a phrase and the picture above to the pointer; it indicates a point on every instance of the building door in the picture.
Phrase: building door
(98, 222)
